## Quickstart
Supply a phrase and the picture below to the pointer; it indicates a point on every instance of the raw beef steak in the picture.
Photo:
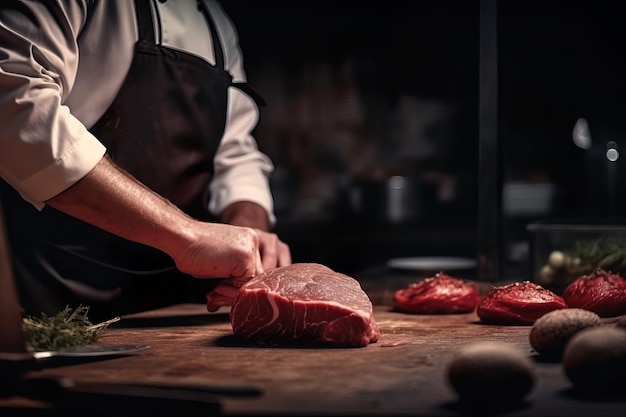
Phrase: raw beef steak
(602, 292)
(518, 303)
(440, 294)
(304, 303)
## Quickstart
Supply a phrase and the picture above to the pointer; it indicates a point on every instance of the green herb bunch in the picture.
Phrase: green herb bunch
(608, 253)
(70, 327)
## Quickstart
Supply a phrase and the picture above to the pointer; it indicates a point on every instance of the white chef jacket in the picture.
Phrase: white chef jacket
(60, 71)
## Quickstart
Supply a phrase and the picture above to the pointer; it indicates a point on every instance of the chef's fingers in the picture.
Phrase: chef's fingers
(259, 269)
(267, 248)
(274, 252)
(220, 296)
(284, 254)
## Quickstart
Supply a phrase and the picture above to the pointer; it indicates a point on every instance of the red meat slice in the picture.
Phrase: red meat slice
(441, 294)
(602, 292)
(304, 303)
(518, 303)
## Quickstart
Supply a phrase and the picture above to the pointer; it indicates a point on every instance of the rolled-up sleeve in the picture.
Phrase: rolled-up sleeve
(44, 149)
(242, 171)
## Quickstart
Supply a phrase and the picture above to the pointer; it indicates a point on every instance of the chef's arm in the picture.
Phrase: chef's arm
(240, 191)
(109, 198)
(246, 213)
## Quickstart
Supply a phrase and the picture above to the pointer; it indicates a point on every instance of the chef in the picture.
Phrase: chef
(126, 151)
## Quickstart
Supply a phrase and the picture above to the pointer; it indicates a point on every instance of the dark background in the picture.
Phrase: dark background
(359, 93)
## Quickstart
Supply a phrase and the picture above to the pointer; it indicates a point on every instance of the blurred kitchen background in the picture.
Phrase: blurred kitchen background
(374, 112)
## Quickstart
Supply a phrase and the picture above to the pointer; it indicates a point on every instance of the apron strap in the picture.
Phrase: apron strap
(144, 20)
(146, 28)
(218, 52)
(219, 55)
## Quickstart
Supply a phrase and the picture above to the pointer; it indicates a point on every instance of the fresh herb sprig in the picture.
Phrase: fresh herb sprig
(608, 253)
(70, 327)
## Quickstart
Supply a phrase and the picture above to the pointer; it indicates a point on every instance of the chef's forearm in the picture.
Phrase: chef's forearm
(247, 214)
(113, 200)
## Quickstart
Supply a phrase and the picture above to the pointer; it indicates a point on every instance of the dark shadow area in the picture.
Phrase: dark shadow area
(236, 341)
(487, 408)
(615, 394)
(104, 399)
(546, 358)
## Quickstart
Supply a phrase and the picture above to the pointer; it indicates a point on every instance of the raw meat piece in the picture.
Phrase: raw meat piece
(602, 292)
(441, 294)
(304, 303)
(518, 303)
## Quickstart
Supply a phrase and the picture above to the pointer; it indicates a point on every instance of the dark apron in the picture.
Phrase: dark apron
(164, 127)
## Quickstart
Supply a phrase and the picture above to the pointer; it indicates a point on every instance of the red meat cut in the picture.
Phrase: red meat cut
(602, 292)
(518, 303)
(304, 303)
(441, 294)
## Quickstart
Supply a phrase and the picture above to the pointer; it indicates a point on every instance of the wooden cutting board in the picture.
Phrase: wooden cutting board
(404, 373)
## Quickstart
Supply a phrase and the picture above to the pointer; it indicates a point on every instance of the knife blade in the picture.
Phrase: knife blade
(89, 351)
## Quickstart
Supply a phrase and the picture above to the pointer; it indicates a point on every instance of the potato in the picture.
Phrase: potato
(551, 332)
(594, 359)
(491, 371)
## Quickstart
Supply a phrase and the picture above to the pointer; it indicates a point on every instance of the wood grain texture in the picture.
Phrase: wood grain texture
(193, 347)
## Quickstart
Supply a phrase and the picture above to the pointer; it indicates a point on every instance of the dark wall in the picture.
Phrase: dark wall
(363, 92)
(360, 91)
(560, 62)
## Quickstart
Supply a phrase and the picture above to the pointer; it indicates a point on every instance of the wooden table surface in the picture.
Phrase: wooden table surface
(403, 374)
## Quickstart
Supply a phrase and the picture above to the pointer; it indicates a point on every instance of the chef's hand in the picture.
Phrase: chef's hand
(215, 250)
(274, 252)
